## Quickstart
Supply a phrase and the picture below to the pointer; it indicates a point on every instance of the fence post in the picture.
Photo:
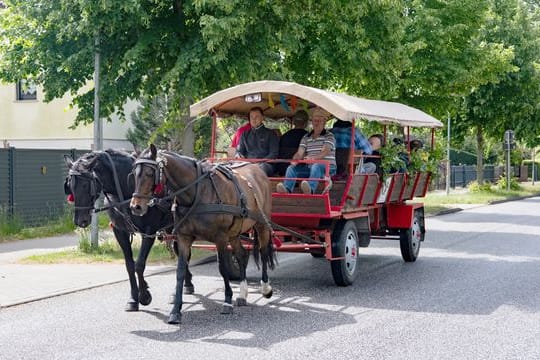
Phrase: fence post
(11, 181)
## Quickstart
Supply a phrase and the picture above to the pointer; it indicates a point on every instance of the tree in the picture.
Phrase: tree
(451, 55)
(512, 101)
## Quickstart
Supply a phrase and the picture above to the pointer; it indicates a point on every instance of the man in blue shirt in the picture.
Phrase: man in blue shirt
(342, 132)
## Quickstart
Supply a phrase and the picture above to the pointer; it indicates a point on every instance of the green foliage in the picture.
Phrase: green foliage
(502, 183)
(475, 187)
(459, 157)
(148, 123)
(393, 158)
(425, 160)
(9, 225)
(203, 130)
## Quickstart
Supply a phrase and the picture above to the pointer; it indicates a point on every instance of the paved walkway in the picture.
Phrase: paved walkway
(22, 283)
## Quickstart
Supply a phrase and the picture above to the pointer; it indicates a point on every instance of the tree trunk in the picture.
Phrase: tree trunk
(479, 154)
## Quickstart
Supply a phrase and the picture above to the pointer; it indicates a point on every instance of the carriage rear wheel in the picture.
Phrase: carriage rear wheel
(345, 244)
(410, 239)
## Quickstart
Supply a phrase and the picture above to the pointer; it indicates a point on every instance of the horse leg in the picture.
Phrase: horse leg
(262, 238)
(188, 285)
(123, 240)
(227, 307)
(189, 288)
(145, 298)
(241, 255)
(184, 245)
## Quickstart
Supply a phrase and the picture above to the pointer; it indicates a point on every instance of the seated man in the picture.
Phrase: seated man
(289, 142)
(376, 141)
(342, 132)
(319, 144)
(259, 142)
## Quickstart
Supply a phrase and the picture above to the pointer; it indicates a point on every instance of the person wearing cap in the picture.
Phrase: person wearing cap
(319, 144)
(289, 142)
(259, 142)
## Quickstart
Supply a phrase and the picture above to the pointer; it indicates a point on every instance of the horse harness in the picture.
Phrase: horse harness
(96, 186)
(182, 212)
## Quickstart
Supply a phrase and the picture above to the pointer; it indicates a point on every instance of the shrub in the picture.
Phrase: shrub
(475, 187)
(514, 184)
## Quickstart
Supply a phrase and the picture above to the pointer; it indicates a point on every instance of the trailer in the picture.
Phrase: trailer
(337, 223)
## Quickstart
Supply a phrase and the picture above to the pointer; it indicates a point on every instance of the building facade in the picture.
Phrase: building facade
(27, 122)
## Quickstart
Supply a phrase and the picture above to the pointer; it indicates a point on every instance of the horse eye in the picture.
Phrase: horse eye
(149, 173)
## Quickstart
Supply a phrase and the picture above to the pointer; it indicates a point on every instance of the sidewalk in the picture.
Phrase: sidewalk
(22, 283)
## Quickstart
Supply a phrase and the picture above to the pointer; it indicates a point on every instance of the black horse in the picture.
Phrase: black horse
(107, 171)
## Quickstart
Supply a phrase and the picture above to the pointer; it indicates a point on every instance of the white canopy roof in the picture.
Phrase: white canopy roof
(286, 96)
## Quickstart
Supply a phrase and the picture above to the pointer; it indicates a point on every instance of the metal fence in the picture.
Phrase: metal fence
(462, 175)
(34, 179)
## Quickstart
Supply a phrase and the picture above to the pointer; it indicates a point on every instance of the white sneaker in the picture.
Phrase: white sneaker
(280, 188)
(306, 189)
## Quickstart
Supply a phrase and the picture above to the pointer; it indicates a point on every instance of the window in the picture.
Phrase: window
(26, 90)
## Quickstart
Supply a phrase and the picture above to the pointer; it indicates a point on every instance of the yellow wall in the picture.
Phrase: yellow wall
(36, 124)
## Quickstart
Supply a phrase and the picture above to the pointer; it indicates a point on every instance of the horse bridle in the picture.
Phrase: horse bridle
(157, 167)
(94, 185)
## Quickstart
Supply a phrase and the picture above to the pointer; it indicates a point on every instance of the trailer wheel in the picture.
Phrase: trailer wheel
(345, 244)
(410, 239)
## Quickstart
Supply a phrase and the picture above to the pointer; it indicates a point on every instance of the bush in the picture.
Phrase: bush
(514, 184)
(475, 187)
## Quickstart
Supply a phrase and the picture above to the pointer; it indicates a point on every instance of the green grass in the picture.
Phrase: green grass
(438, 201)
(108, 251)
(11, 228)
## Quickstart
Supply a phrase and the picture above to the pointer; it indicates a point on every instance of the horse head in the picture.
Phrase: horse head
(82, 187)
(146, 176)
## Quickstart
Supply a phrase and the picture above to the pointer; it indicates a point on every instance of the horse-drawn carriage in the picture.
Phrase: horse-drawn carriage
(358, 207)
(219, 200)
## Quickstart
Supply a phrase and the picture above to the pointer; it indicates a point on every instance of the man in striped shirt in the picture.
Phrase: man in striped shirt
(319, 144)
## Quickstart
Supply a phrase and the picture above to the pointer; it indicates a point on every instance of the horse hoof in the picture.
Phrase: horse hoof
(190, 289)
(227, 309)
(269, 295)
(132, 306)
(241, 302)
(174, 318)
(145, 298)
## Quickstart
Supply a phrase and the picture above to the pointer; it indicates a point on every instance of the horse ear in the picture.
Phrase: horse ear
(153, 151)
(68, 160)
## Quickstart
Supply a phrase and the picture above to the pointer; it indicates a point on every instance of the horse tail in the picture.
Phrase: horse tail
(266, 252)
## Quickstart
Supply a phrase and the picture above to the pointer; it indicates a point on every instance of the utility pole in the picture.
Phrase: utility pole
(448, 167)
(508, 146)
(98, 132)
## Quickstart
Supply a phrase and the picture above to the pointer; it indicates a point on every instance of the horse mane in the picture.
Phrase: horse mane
(121, 158)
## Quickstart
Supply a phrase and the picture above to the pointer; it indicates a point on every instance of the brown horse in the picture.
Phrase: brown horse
(214, 203)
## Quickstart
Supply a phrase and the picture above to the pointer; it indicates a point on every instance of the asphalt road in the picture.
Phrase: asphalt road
(472, 294)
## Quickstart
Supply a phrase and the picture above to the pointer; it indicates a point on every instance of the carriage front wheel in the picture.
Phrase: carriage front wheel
(345, 245)
(410, 239)
(233, 265)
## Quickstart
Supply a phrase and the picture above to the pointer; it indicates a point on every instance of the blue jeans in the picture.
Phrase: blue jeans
(315, 171)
